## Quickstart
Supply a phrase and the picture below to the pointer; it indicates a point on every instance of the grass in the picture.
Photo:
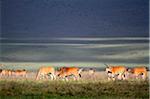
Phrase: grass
(29, 89)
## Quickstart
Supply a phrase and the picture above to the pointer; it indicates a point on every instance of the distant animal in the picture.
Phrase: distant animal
(6, 72)
(21, 73)
(116, 72)
(64, 72)
(44, 72)
(139, 72)
(91, 71)
(1, 64)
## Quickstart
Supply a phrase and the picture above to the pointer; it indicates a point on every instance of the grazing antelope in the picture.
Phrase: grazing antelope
(45, 71)
(64, 72)
(116, 72)
(138, 72)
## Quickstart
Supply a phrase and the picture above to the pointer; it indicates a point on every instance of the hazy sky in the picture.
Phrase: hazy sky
(51, 18)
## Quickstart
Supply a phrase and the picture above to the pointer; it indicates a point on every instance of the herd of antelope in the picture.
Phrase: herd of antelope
(113, 73)
(123, 73)
(13, 73)
(62, 73)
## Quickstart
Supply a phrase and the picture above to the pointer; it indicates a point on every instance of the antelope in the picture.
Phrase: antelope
(138, 71)
(116, 72)
(64, 72)
(45, 71)
(20, 73)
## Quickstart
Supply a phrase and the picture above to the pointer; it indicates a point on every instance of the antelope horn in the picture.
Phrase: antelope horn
(106, 65)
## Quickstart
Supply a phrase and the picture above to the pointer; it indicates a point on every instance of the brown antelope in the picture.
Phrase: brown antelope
(19, 73)
(45, 71)
(139, 71)
(64, 72)
(116, 72)
(6, 73)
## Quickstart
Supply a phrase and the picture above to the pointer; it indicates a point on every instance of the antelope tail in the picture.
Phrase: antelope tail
(80, 75)
(80, 70)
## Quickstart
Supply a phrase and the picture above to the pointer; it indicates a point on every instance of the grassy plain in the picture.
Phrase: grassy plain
(89, 86)
(82, 89)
